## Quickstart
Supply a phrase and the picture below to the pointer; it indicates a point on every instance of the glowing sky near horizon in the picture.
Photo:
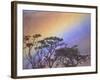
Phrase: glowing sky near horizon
(74, 28)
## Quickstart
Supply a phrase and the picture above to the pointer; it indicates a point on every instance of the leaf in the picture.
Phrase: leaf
(29, 44)
(36, 35)
(27, 37)
(41, 41)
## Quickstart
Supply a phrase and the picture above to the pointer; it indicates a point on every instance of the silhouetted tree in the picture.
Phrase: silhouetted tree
(71, 53)
(50, 44)
(48, 51)
(30, 42)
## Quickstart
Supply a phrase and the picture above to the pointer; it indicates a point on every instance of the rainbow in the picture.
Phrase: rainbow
(74, 28)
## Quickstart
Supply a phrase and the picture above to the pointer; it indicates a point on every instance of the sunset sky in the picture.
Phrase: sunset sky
(74, 28)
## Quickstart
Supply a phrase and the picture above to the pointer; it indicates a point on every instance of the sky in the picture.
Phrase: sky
(74, 28)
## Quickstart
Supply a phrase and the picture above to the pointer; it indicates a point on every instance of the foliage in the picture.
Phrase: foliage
(49, 52)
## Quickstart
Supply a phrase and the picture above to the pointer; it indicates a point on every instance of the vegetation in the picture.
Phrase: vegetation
(48, 52)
